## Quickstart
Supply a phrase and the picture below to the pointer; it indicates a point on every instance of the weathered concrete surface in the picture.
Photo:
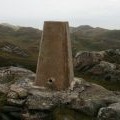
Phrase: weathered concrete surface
(54, 69)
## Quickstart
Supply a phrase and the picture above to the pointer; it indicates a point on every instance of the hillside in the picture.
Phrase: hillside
(94, 39)
(19, 46)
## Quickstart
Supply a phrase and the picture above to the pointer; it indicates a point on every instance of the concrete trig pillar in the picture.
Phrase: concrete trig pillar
(55, 67)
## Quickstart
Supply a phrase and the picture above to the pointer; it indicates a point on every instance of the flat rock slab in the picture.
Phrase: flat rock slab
(49, 100)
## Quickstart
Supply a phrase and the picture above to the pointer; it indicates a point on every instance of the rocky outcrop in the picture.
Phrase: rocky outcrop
(9, 75)
(103, 64)
(29, 102)
(85, 60)
(102, 68)
(81, 96)
(12, 98)
(112, 112)
(13, 81)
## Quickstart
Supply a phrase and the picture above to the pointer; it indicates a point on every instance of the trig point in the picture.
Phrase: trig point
(55, 67)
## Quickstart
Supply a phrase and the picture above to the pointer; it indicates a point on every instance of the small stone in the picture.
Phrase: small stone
(4, 88)
(16, 102)
(12, 95)
(19, 90)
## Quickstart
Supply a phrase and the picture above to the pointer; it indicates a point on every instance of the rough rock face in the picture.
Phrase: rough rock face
(103, 64)
(8, 75)
(87, 59)
(102, 68)
(112, 112)
(13, 81)
(17, 92)
(29, 102)
(81, 96)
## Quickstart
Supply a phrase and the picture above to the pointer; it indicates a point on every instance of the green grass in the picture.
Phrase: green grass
(7, 59)
(28, 39)
(113, 86)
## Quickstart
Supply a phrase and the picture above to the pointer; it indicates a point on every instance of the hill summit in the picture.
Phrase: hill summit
(20, 45)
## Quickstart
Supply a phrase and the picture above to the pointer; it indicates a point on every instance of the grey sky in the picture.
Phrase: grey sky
(101, 13)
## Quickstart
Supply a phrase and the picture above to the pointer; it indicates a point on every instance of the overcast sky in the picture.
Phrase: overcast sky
(97, 13)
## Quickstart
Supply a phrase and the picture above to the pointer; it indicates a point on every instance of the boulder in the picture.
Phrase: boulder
(113, 56)
(21, 92)
(102, 65)
(112, 112)
(11, 75)
(79, 85)
(88, 107)
(107, 71)
(102, 68)
(15, 71)
(81, 96)
(84, 60)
